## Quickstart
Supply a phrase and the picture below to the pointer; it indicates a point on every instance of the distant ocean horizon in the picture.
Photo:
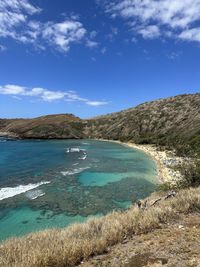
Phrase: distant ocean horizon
(53, 183)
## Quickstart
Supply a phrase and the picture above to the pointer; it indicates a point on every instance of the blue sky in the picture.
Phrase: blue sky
(90, 57)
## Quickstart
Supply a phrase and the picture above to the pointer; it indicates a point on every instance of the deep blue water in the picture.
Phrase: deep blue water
(110, 177)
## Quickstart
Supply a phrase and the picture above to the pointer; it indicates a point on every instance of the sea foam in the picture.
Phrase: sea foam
(33, 194)
(84, 157)
(7, 192)
(74, 171)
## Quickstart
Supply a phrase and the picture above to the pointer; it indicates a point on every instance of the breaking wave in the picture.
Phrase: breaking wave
(7, 192)
(33, 194)
(74, 171)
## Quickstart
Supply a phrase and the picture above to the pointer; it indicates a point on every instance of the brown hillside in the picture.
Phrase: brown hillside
(172, 121)
(163, 121)
(52, 126)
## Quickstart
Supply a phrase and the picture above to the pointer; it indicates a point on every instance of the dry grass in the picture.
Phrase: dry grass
(67, 247)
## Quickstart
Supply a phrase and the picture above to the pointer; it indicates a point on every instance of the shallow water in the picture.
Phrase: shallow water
(59, 188)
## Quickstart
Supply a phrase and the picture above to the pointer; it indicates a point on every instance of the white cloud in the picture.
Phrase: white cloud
(93, 34)
(11, 89)
(35, 91)
(170, 12)
(41, 93)
(96, 103)
(46, 95)
(50, 96)
(113, 33)
(17, 22)
(16, 97)
(63, 34)
(14, 13)
(91, 44)
(191, 35)
(93, 59)
(103, 50)
(154, 18)
(72, 96)
(173, 55)
(150, 32)
(17, 5)
(2, 48)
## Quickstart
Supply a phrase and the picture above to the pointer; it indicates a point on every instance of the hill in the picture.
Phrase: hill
(172, 122)
(62, 126)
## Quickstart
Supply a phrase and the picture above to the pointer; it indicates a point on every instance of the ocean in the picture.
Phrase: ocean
(51, 184)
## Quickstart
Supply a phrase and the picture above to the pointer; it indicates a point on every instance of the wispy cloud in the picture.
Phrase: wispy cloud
(149, 32)
(93, 34)
(91, 44)
(103, 50)
(14, 13)
(96, 103)
(46, 95)
(112, 34)
(11, 89)
(18, 21)
(190, 34)
(173, 55)
(2, 48)
(154, 18)
(63, 34)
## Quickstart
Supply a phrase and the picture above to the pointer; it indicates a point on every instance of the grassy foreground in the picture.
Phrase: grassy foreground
(174, 244)
(68, 247)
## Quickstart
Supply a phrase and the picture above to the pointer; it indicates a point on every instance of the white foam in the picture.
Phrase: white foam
(84, 157)
(33, 194)
(74, 171)
(8, 192)
(74, 149)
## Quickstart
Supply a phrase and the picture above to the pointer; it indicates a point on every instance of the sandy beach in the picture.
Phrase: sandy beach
(165, 161)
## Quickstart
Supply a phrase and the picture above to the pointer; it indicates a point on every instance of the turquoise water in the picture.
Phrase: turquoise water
(104, 176)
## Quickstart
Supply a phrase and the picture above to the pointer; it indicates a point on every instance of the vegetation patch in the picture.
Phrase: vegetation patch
(68, 247)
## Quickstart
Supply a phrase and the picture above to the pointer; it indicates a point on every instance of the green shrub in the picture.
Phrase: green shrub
(166, 187)
(191, 174)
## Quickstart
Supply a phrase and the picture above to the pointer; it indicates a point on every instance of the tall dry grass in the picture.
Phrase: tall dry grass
(67, 247)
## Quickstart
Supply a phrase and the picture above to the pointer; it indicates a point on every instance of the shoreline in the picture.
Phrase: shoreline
(165, 161)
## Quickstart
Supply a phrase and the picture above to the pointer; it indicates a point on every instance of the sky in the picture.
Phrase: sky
(92, 57)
